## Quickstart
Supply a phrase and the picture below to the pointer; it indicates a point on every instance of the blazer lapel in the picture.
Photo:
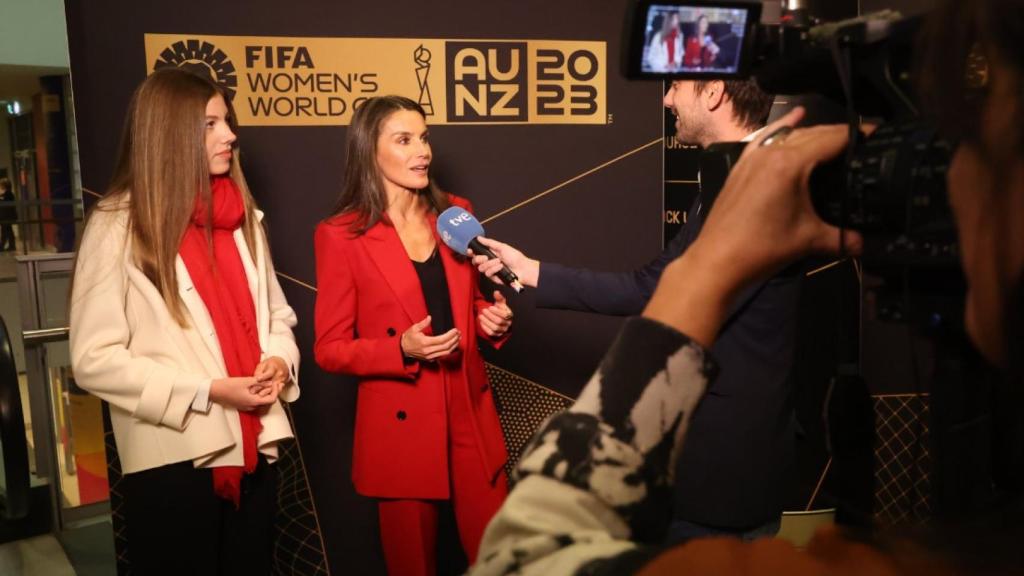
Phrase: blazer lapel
(255, 272)
(455, 273)
(388, 254)
(203, 324)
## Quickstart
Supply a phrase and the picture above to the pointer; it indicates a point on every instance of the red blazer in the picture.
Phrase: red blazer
(697, 55)
(368, 294)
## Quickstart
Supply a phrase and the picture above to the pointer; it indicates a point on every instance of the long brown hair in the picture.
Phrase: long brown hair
(363, 190)
(162, 164)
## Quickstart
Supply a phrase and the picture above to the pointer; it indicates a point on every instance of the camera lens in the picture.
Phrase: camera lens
(893, 190)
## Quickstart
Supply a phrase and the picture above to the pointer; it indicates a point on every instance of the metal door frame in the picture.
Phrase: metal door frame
(30, 271)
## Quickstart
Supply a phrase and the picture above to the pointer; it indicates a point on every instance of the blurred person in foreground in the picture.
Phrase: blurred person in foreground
(593, 485)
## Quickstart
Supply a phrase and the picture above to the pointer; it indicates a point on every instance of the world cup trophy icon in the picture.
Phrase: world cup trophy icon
(422, 57)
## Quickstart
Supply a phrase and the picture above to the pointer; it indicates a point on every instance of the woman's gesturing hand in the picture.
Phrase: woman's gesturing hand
(495, 320)
(416, 344)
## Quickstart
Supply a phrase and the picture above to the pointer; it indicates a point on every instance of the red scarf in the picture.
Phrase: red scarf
(670, 42)
(224, 288)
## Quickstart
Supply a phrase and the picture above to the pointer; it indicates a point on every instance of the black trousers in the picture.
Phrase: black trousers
(7, 237)
(177, 525)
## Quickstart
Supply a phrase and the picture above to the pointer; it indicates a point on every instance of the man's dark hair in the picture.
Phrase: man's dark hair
(750, 105)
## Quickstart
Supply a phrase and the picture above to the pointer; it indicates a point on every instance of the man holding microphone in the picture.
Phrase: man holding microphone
(732, 475)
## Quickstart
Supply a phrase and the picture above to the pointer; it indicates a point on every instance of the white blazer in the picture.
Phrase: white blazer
(127, 349)
(657, 53)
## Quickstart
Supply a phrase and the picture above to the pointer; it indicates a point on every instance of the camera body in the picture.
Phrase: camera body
(891, 183)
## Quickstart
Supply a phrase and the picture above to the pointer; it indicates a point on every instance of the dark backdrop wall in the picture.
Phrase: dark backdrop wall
(609, 219)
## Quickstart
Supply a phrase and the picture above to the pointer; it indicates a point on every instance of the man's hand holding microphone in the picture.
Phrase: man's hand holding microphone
(765, 197)
(505, 256)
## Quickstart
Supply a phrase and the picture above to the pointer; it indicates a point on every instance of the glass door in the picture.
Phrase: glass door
(69, 444)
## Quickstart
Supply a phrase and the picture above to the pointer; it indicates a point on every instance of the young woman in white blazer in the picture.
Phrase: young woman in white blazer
(179, 323)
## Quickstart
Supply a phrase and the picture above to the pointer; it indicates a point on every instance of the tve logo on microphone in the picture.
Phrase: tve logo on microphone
(458, 227)
(460, 218)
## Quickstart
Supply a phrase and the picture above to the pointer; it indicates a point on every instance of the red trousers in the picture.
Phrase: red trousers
(408, 528)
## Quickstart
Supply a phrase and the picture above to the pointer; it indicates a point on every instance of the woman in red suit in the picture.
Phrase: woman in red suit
(400, 310)
(701, 50)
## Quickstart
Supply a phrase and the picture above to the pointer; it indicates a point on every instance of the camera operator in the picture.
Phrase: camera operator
(744, 432)
(594, 482)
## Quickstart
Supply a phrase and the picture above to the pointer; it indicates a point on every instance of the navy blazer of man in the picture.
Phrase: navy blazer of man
(735, 467)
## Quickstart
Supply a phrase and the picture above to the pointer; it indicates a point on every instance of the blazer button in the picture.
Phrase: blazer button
(391, 332)
(400, 415)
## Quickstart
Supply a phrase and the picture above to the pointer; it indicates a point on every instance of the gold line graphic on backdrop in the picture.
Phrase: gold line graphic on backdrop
(309, 486)
(281, 274)
(817, 488)
(682, 181)
(296, 280)
(856, 267)
(826, 267)
(570, 181)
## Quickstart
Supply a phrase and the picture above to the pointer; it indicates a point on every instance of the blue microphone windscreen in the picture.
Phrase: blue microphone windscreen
(457, 228)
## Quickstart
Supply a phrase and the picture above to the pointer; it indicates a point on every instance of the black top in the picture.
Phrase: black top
(435, 292)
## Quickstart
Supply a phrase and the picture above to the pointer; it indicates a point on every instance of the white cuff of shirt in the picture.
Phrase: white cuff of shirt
(201, 403)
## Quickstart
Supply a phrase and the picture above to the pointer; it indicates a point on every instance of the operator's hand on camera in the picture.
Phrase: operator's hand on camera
(527, 269)
(761, 221)
(764, 219)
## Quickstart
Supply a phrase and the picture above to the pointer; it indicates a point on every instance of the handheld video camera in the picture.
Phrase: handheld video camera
(891, 184)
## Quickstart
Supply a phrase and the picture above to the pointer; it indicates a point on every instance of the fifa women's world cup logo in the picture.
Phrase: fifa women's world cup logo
(422, 57)
(202, 58)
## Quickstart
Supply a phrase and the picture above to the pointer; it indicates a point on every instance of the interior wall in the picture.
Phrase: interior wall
(32, 33)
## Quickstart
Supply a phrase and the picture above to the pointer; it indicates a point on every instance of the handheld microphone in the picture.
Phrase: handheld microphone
(460, 230)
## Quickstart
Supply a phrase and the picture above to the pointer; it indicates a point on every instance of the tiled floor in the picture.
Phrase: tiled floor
(87, 551)
(91, 549)
(39, 556)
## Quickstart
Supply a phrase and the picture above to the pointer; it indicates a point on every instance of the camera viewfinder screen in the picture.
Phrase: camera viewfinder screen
(693, 39)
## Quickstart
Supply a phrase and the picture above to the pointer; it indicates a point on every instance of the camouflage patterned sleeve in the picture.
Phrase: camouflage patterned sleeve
(594, 485)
